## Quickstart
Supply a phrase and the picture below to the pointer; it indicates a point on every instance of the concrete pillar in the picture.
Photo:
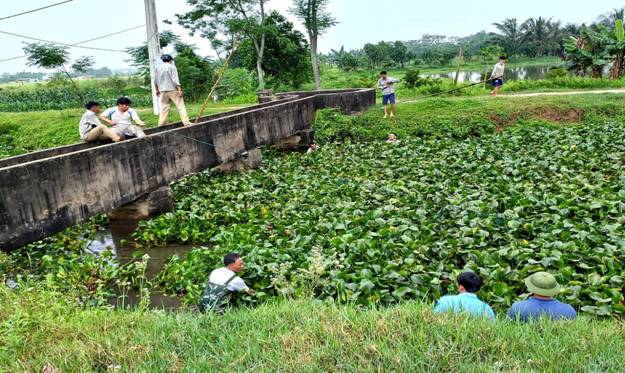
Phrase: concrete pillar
(127, 217)
(265, 95)
(250, 160)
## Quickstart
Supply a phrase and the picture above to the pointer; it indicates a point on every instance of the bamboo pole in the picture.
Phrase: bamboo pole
(221, 75)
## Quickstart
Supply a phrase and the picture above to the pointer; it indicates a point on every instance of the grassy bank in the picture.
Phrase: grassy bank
(39, 328)
(30, 131)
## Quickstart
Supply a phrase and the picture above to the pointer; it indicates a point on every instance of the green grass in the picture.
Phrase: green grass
(27, 132)
(40, 328)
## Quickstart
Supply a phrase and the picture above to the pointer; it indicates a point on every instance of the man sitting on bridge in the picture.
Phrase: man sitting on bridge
(222, 282)
(121, 118)
(91, 129)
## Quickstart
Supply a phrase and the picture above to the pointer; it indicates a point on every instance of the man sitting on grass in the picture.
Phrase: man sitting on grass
(466, 301)
(543, 287)
(222, 282)
(387, 85)
(121, 118)
(91, 129)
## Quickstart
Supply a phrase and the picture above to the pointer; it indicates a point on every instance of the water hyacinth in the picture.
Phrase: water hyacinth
(398, 222)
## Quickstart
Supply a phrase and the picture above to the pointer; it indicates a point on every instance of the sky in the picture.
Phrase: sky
(361, 21)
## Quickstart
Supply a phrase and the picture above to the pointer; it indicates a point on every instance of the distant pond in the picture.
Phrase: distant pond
(512, 73)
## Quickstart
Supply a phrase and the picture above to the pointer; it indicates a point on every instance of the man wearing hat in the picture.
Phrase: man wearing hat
(543, 287)
(168, 89)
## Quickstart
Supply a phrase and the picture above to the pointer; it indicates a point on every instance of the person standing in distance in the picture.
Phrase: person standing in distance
(168, 89)
(497, 76)
(387, 85)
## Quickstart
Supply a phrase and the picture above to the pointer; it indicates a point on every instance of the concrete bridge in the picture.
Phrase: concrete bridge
(44, 192)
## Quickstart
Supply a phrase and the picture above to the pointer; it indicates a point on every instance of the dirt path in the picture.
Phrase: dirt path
(564, 93)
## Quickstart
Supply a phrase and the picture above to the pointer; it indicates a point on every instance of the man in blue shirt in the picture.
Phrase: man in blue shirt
(466, 301)
(543, 287)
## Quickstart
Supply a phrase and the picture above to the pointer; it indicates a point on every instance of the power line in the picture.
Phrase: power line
(35, 10)
(57, 43)
(77, 45)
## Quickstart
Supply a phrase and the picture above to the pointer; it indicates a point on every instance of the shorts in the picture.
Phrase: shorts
(497, 82)
(386, 99)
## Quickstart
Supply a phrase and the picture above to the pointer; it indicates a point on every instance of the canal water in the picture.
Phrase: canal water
(118, 240)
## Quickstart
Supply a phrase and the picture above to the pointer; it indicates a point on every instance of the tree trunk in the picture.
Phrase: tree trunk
(617, 68)
(315, 61)
(261, 73)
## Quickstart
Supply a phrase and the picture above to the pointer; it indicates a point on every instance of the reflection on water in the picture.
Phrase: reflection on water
(512, 73)
(119, 242)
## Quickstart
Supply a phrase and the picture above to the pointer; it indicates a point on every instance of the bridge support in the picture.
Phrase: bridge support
(126, 218)
(249, 160)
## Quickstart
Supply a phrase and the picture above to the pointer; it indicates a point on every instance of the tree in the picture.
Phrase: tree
(287, 57)
(139, 56)
(399, 53)
(211, 18)
(588, 52)
(509, 35)
(346, 61)
(317, 20)
(53, 57)
(378, 54)
(196, 73)
(617, 49)
(610, 18)
(536, 36)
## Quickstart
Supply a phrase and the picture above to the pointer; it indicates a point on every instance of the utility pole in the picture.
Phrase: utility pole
(154, 47)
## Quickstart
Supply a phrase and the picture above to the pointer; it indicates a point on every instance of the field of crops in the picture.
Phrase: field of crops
(374, 223)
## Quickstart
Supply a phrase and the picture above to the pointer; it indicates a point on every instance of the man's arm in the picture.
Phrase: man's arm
(135, 117)
(105, 117)
(176, 79)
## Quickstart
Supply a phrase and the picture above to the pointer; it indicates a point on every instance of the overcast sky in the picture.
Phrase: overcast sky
(361, 21)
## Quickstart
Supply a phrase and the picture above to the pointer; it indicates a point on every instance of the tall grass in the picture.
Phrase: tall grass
(40, 328)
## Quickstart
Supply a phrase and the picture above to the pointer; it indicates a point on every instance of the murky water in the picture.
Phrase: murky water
(119, 242)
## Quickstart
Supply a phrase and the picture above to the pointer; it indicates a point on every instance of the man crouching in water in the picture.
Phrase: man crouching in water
(222, 282)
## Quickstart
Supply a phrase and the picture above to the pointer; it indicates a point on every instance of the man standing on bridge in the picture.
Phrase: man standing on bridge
(168, 89)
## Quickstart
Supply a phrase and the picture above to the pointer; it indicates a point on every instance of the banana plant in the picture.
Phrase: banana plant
(617, 49)
(589, 52)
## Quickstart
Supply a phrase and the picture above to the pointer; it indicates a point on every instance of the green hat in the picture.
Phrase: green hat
(542, 283)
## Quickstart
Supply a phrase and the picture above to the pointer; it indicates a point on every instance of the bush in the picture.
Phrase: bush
(556, 73)
(236, 82)
(411, 78)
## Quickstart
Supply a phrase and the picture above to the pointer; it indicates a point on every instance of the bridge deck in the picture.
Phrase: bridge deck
(44, 192)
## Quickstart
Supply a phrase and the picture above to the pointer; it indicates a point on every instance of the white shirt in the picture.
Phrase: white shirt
(123, 120)
(387, 89)
(166, 77)
(88, 122)
(221, 275)
(498, 71)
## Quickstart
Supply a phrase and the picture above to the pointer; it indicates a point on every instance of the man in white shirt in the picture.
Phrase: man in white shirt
(497, 75)
(91, 129)
(222, 282)
(121, 117)
(387, 85)
(168, 89)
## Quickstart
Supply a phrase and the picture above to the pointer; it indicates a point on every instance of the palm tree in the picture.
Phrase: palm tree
(610, 18)
(536, 35)
(509, 35)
